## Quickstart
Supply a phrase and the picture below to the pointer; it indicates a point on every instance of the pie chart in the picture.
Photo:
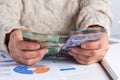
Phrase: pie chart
(27, 70)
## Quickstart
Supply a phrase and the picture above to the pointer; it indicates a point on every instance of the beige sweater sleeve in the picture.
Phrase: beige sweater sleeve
(9, 18)
(94, 12)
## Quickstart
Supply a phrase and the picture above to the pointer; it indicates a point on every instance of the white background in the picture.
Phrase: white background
(116, 13)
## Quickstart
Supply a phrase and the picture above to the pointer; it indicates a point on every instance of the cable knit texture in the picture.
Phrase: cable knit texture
(52, 16)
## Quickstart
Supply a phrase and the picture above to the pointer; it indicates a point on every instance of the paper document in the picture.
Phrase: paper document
(49, 69)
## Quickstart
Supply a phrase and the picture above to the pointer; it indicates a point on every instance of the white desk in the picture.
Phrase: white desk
(113, 58)
(58, 70)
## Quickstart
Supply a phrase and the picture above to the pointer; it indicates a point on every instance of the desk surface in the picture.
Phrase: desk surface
(51, 69)
(113, 58)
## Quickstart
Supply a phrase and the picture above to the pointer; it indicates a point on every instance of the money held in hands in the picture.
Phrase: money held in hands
(59, 45)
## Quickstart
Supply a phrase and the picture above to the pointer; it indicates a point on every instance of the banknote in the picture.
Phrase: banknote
(52, 42)
(45, 40)
(77, 37)
(59, 45)
(87, 31)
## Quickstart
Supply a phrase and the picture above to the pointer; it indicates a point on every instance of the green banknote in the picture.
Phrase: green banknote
(52, 42)
(59, 45)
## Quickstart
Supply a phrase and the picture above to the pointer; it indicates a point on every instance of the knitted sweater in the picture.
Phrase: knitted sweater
(52, 16)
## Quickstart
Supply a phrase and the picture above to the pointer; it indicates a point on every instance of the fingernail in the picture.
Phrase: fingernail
(37, 46)
(45, 50)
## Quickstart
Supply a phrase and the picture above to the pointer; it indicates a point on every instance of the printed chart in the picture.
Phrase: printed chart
(25, 70)
(5, 57)
(49, 69)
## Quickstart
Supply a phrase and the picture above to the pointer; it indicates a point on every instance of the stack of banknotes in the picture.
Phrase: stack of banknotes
(59, 45)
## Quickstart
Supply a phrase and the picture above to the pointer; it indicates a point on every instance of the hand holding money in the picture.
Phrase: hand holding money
(91, 51)
(28, 47)
(59, 45)
(23, 51)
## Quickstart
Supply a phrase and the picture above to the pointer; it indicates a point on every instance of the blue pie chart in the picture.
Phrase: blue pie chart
(25, 70)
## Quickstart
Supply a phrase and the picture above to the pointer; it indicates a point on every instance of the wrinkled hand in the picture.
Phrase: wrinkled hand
(24, 52)
(91, 52)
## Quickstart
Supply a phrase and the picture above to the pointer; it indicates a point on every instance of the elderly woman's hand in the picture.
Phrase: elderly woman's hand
(24, 52)
(91, 52)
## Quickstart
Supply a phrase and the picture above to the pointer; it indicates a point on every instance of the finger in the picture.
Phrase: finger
(86, 60)
(95, 56)
(27, 61)
(86, 63)
(32, 61)
(33, 54)
(91, 45)
(77, 50)
(16, 34)
(82, 59)
(15, 57)
(102, 42)
(25, 45)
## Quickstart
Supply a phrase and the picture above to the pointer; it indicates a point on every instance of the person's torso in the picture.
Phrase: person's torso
(50, 16)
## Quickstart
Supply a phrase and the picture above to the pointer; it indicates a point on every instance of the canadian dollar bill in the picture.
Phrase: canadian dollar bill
(52, 42)
(59, 45)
